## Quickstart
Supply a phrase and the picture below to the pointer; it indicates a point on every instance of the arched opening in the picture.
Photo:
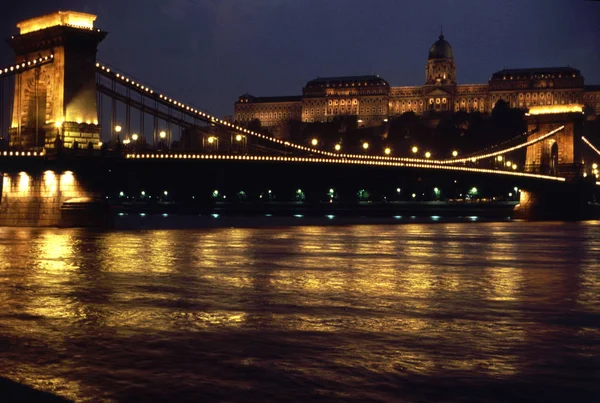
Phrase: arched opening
(554, 159)
(549, 157)
(36, 100)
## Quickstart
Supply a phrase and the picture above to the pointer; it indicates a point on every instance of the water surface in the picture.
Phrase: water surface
(485, 312)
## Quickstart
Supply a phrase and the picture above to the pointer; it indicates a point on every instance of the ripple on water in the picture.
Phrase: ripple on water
(422, 312)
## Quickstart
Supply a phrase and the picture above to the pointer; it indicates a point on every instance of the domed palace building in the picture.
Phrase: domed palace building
(372, 100)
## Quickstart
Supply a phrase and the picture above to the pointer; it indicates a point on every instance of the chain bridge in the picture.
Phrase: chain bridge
(79, 135)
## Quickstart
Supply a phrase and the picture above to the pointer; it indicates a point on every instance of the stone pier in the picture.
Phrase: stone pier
(50, 199)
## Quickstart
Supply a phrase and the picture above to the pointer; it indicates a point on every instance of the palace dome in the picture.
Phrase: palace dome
(441, 49)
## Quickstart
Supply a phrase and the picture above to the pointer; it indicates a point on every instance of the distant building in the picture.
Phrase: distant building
(371, 99)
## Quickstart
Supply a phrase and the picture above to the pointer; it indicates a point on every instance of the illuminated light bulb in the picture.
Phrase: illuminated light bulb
(365, 145)
(99, 144)
(427, 154)
(415, 149)
(134, 136)
(118, 128)
(387, 151)
(211, 140)
(338, 147)
(162, 134)
(594, 166)
(455, 153)
(514, 166)
(500, 158)
(238, 137)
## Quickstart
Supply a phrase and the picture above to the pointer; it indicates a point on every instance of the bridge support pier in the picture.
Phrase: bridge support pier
(570, 201)
(49, 199)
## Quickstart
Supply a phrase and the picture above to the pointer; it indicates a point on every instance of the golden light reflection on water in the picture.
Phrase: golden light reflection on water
(412, 299)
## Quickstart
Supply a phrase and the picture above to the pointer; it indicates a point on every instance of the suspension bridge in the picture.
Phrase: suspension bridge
(74, 128)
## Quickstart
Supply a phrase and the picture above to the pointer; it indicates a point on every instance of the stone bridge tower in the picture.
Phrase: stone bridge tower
(58, 98)
(561, 154)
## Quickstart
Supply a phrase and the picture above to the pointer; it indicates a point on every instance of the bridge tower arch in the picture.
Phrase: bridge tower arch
(561, 154)
(58, 98)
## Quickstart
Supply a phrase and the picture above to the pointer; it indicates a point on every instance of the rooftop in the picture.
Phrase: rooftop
(536, 70)
(288, 98)
(335, 81)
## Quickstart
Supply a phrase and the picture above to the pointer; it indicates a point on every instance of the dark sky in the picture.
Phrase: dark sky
(208, 52)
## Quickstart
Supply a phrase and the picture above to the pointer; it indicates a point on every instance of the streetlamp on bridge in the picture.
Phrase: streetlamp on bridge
(162, 135)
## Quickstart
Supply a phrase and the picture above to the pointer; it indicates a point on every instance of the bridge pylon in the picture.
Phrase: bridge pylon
(56, 99)
(561, 154)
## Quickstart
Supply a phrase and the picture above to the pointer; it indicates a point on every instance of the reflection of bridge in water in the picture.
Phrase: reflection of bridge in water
(61, 94)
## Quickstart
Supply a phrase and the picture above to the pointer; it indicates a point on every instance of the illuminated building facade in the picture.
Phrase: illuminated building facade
(372, 100)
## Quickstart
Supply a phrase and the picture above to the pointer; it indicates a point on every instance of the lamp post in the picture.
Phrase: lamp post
(117, 130)
(162, 136)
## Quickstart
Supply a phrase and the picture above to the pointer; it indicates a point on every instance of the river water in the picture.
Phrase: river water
(486, 312)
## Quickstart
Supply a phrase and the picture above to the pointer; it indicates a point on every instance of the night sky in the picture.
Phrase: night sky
(208, 52)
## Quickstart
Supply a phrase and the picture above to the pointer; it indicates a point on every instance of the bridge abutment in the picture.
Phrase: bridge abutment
(49, 199)
(569, 201)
